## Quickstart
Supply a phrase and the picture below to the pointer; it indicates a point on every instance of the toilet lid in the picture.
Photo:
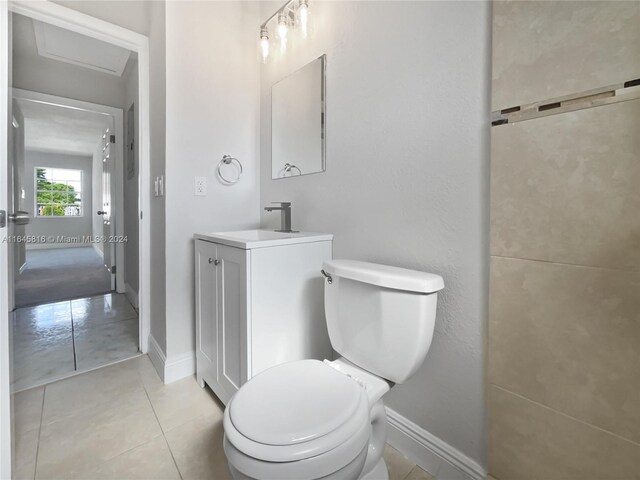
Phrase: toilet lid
(297, 402)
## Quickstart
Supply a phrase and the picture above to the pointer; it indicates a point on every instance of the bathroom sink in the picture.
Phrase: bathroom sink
(248, 239)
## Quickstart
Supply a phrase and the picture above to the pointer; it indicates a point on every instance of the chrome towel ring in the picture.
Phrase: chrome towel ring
(288, 167)
(229, 160)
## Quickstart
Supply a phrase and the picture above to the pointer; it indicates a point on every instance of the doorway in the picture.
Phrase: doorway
(10, 262)
(58, 177)
(72, 310)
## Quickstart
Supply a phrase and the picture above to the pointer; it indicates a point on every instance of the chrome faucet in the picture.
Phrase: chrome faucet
(285, 216)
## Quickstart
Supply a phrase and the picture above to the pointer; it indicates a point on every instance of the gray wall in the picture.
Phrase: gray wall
(213, 84)
(406, 180)
(157, 119)
(147, 18)
(131, 256)
(130, 14)
(67, 226)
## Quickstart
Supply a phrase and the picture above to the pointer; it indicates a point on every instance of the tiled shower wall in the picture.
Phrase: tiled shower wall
(564, 334)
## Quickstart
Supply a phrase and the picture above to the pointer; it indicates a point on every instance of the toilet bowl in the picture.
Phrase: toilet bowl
(306, 419)
(311, 419)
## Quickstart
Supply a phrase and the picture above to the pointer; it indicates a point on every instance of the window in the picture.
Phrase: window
(58, 192)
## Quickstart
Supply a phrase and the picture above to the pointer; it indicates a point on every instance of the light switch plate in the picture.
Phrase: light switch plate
(200, 187)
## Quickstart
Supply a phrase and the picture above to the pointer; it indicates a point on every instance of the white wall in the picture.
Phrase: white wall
(131, 256)
(212, 110)
(407, 177)
(66, 226)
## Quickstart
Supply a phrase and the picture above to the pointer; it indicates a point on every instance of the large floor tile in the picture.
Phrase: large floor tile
(42, 316)
(528, 441)
(146, 371)
(150, 461)
(117, 385)
(102, 309)
(101, 344)
(564, 188)
(197, 449)
(398, 465)
(182, 401)
(40, 360)
(417, 473)
(42, 344)
(26, 446)
(90, 438)
(548, 49)
(568, 337)
(27, 409)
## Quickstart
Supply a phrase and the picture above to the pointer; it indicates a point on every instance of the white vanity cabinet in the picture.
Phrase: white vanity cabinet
(259, 303)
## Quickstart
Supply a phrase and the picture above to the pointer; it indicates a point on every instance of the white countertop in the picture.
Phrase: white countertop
(248, 239)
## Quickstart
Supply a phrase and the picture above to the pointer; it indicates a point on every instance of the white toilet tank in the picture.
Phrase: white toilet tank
(379, 317)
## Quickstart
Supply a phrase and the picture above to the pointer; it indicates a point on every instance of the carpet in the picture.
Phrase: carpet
(55, 274)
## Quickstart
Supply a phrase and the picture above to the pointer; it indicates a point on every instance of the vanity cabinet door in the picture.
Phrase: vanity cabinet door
(206, 312)
(232, 286)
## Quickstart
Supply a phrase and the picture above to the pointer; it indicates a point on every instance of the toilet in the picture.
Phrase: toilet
(312, 419)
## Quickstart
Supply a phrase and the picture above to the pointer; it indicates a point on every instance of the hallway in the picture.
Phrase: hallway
(55, 274)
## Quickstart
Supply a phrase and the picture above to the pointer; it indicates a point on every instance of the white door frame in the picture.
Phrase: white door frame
(92, 27)
(117, 114)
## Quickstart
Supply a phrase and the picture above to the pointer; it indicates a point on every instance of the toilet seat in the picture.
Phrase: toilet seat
(344, 461)
(302, 416)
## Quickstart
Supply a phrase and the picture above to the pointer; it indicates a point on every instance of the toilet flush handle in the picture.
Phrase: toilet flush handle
(327, 276)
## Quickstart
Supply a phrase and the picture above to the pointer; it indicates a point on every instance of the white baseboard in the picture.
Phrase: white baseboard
(172, 369)
(132, 295)
(157, 356)
(180, 366)
(430, 453)
(51, 246)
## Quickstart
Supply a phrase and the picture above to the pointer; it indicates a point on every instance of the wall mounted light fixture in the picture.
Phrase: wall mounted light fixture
(294, 16)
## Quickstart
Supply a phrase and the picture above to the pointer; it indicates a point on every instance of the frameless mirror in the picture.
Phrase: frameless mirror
(297, 122)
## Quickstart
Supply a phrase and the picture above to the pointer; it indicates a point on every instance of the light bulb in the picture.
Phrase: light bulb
(263, 45)
(302, 15)
(282, 29)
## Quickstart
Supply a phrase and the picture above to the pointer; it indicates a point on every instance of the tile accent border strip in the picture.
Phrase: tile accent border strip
(430, 453)
(620, 92)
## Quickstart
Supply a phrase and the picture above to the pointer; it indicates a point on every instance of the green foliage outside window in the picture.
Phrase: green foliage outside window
(55, 199)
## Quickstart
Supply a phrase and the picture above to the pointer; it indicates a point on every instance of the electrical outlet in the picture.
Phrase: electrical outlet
(201, 186)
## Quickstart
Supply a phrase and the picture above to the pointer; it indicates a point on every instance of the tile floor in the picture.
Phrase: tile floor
(120, 422)
(55, 340)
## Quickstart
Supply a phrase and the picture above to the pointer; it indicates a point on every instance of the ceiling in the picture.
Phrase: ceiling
(56, 128)
(60, 129)
(33, 39)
